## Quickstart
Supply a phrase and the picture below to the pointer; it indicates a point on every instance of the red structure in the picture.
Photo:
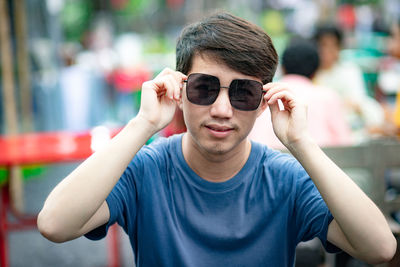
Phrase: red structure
(42, 148)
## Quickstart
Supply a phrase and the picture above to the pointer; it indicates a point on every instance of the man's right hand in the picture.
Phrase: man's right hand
(69, 211)
(159, 98)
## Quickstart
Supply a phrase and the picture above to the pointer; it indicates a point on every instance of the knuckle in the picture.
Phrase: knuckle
(168, 71)
(164, 72)
(169, 76)
(173, 78)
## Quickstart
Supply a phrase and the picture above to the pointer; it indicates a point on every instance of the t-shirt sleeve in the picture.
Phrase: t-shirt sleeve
(311, 215)
(122, 202)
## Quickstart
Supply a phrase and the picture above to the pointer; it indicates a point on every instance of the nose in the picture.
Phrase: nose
(222, 107)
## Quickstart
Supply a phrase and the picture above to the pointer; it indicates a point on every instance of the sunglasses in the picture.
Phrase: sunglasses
(203, 89)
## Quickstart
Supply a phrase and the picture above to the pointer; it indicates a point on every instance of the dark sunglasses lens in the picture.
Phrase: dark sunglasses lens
(202, 89)
(245, 94)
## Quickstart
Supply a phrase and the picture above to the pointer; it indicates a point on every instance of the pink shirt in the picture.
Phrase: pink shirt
(326, 121)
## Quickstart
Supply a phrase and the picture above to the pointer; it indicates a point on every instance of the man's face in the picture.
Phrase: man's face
(218, 128)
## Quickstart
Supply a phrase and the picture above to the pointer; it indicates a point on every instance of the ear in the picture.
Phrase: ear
(262, 107)
(180, 101)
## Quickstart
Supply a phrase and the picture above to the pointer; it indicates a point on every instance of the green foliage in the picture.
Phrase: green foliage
(156, 44)
(272, 22)
(28, 172)
(133, 7)
(3, 176)
(75, 18)
(32, 171)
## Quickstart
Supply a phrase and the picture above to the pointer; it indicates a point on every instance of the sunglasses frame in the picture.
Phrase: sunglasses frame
(229, 88)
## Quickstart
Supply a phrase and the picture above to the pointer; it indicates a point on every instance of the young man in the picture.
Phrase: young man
(210, 197)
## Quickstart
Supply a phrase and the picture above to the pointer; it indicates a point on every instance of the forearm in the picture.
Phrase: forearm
(77, 198)
(360, 220)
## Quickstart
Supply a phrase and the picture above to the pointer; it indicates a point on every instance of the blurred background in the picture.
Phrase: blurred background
(76, 64)
(73, 69)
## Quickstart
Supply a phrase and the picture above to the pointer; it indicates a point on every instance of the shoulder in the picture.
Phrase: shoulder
(160, 147)
(153, 161)
(155, 154)
(280, 172)
(278, 163)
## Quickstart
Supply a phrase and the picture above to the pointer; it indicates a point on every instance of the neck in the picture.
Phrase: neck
(215, 167)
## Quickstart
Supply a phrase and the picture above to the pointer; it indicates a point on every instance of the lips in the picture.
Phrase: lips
(219, 128)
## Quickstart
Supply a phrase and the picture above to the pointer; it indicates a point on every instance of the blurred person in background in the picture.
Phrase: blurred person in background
(83, 90)
(210, 196)
(86, 100)
(394, 51)
(363, 113)
(326, 120)
(389, 80)
(129, 72)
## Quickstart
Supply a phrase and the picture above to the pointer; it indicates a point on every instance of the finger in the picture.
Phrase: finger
(170, 87)
(163, 86)
(274, 108)
(164, 72)
(276, 89)
(268, 85)
(179, 76)
(274, 84)
(176, 86)
(286, 97)
(282, 95)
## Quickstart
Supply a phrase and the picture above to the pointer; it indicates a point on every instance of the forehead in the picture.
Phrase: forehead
(207, 64)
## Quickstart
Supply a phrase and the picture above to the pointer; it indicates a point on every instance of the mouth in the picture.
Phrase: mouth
(219, 131)
(219, 128)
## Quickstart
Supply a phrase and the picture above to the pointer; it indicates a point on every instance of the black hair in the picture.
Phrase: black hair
(300, 57)
(241, 45)
(328, 29)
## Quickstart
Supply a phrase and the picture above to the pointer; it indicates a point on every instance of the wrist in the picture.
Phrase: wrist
(140, 123)
(301, 146)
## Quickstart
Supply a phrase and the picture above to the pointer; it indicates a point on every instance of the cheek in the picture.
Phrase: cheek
(192, 114)
(188, 118)
(247, 121)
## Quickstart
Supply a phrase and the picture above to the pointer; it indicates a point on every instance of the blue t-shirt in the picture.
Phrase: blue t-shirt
(175, 218)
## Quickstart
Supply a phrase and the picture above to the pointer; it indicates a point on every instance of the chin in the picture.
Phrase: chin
(217, 149)
(213, 147)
